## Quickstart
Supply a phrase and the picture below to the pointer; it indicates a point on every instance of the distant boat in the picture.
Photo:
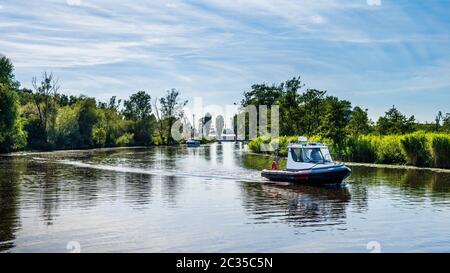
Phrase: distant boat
(193, 143)
(308, 163)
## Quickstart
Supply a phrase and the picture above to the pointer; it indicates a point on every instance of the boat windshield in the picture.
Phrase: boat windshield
(311, 155)
(326, 154)
(316, 155)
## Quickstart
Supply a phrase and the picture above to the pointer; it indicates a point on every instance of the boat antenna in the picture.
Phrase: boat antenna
(193, 126)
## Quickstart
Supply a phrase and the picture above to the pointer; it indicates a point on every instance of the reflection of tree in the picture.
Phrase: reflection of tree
(170, 154)
(298, 205)
(219, 152)
(171, 188)
(259, 162)
(416, 183)
(9, 200)
(138, 188)
(441, 183)
(50, 193)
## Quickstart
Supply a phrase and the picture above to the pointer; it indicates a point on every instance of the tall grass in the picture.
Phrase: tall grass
(389, 150)
(440, 149)
(361, 149)
(417, 149)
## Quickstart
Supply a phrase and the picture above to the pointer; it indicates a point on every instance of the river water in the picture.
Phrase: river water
(211, 199)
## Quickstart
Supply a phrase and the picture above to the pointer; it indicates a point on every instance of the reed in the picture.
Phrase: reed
(418, 149)
(389, 150)
(440, 150)
(360, 149)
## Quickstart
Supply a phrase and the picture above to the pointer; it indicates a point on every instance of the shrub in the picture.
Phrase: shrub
(255, 145)
(125, 140)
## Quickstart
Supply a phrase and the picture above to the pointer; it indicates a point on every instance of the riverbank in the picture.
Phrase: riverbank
(428, 150)
(37, 152)
(370, 165)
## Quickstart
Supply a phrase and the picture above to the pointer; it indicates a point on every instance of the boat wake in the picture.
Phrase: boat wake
(157, 172)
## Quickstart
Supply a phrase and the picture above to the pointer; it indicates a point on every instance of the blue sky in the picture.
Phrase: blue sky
(375, 53)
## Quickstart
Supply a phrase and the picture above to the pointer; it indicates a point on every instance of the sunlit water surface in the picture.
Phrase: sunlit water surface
(211, 199)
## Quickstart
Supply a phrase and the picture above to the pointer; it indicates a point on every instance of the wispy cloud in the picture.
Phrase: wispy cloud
(355, 48)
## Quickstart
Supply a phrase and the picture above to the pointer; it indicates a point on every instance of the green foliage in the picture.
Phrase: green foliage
(361, 149)
(206, 140)
(359, 123)
(395, 122)
(446, 124)
(87, 119)
(7, 77)
(100, 130)
(336, 114)
(416, 148)
(171, 110)
(12, 137)
(440, 146)
(312, 103)
(138, 107)
(389, 150)
(67, 127)
(125, 140)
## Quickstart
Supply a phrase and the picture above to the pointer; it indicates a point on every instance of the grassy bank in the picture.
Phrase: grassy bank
(416, 149)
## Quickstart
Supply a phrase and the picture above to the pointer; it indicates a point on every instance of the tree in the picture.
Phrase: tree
(312, 110)
(359, 123)
(113, 121)
(87, 120)
(220, 124)
(206, 124)
(44, 99)
(336, 115)
(262, 94)
(7, 74)
(12, 136)
(446, 123)
(159, 120)
(394, 122)
(139, 109)
(171, 109)
(289, 103)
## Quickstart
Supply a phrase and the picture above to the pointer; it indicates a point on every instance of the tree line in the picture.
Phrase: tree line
(46, 119)
(313, 112)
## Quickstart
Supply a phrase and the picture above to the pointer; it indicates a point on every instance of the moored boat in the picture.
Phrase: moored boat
(193, 143)
(309, 163)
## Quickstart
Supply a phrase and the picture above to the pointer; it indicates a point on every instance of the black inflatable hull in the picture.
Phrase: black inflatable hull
(317, 176)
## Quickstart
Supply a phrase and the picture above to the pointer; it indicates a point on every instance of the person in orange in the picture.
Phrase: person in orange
(275, 162)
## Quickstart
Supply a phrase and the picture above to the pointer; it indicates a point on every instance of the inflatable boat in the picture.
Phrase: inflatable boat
(308, 163)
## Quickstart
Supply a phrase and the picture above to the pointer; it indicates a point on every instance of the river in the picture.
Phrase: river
(211, 199)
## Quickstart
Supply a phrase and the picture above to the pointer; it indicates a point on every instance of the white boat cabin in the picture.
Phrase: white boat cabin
(306, 155)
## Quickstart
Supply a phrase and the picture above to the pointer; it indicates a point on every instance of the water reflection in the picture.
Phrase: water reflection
(413, 183)
(172, 188)
(139, 189)
(110, 198)
(298, 205)
(9, 200)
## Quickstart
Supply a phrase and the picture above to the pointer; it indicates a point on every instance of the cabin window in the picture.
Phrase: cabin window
(297, 154)
(313, 155)
(326, 155)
